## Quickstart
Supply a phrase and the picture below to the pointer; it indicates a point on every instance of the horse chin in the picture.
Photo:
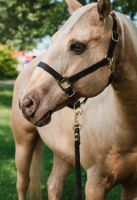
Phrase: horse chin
(44, 120)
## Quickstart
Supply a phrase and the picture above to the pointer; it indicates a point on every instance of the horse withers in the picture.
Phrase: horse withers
(109, 135)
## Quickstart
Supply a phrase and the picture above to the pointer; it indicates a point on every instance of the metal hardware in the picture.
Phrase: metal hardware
(108, 57)
(77, 114)
(116, 40)
(62, 87)
(81, 109)
(74, 106)
(110, 65)
(71, 95)
(110, 73)
(77, 137)
(76, 126)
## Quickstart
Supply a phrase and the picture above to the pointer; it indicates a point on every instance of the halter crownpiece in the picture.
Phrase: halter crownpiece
(68, 90)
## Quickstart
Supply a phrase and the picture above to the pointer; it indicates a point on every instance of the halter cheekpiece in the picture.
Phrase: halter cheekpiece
(68, 90)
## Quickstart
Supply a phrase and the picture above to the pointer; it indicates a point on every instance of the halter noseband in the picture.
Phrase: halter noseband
(68, 90)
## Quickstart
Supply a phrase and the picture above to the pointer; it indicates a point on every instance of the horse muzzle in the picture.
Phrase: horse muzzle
(29, 107)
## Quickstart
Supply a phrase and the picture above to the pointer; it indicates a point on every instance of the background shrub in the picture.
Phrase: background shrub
(8, 64)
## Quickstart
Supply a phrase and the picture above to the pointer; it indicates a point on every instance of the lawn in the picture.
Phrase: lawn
(7, 163)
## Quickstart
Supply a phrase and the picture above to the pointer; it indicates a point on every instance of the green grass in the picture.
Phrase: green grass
(7, 163)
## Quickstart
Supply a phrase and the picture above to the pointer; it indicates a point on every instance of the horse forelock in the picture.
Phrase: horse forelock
(130, 26)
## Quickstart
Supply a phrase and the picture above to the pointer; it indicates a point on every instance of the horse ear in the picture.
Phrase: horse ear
(104, 8)
(73, 5)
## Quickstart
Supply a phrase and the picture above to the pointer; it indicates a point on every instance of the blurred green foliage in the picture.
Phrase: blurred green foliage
(24, 22)
(8, 64)
(127, 7)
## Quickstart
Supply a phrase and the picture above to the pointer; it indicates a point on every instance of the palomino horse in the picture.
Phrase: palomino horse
(109, 135)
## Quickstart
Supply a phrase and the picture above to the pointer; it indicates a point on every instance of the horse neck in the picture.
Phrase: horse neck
(125, 81)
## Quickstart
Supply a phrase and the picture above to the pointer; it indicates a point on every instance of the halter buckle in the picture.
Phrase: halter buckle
(115, 36)
(62, 87)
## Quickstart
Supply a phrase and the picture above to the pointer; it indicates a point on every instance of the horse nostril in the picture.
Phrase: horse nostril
(28, 107)
(29, 103)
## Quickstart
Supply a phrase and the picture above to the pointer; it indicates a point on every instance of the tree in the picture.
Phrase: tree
(127, 7)
(7, 63)
(24, 22)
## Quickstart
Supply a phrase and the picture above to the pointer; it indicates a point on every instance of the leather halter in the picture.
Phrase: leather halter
(68, 90)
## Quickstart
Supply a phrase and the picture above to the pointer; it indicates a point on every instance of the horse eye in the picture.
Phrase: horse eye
(77, 47)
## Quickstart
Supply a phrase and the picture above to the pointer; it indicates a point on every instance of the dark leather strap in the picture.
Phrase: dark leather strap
(87, 71)
(110, 79)
(78, 171)
(77, 162)
(51, 71)
(114, 39)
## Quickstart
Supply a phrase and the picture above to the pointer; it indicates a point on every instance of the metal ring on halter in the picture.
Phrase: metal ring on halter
(81, 110)
(108, 57)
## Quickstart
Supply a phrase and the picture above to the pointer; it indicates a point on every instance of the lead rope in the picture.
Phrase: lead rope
(77, 128)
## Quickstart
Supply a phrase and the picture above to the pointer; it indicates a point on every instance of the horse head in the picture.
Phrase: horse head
(82, 41)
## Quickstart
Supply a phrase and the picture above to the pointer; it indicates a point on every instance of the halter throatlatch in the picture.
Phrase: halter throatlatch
(68, 90)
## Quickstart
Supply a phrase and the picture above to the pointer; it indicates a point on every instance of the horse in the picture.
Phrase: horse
(109, 135)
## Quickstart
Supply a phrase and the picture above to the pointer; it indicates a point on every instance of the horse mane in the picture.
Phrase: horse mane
(130, 26)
